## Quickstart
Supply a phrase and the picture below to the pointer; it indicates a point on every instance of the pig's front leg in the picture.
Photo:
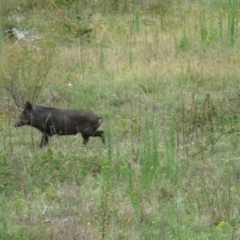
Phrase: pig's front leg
(44, 140)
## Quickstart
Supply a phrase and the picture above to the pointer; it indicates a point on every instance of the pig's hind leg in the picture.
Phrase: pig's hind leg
(100, 133)
(85, 139)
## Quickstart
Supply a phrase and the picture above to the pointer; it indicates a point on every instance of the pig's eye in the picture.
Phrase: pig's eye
(25, 114)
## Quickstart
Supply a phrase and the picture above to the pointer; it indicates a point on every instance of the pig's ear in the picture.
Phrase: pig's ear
(28, 106)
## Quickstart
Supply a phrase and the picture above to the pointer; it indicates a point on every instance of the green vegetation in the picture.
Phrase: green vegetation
(165, 76)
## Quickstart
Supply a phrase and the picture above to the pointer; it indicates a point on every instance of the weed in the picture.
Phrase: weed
(24, 70)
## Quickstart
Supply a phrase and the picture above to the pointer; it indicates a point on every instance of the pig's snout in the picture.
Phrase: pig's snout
(17, 124)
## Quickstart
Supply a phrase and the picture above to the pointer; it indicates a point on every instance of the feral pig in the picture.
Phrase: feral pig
(51, 121)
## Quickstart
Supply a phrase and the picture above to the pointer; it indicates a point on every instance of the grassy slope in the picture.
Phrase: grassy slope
(168, 89)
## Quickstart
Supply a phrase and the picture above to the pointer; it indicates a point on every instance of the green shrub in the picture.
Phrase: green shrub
(24, 69)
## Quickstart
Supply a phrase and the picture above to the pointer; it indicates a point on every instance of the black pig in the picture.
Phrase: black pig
(51, 121)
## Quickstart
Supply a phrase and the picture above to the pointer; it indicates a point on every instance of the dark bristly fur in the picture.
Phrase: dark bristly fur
(51, 121)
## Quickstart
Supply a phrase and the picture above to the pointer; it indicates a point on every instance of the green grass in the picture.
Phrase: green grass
(165, 77)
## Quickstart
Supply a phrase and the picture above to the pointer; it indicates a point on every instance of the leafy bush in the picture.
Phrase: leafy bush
(24, 69)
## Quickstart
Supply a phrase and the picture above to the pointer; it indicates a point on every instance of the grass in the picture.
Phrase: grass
(165, 79)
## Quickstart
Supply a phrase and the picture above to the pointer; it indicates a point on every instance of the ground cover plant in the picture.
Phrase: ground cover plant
(165, 77)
